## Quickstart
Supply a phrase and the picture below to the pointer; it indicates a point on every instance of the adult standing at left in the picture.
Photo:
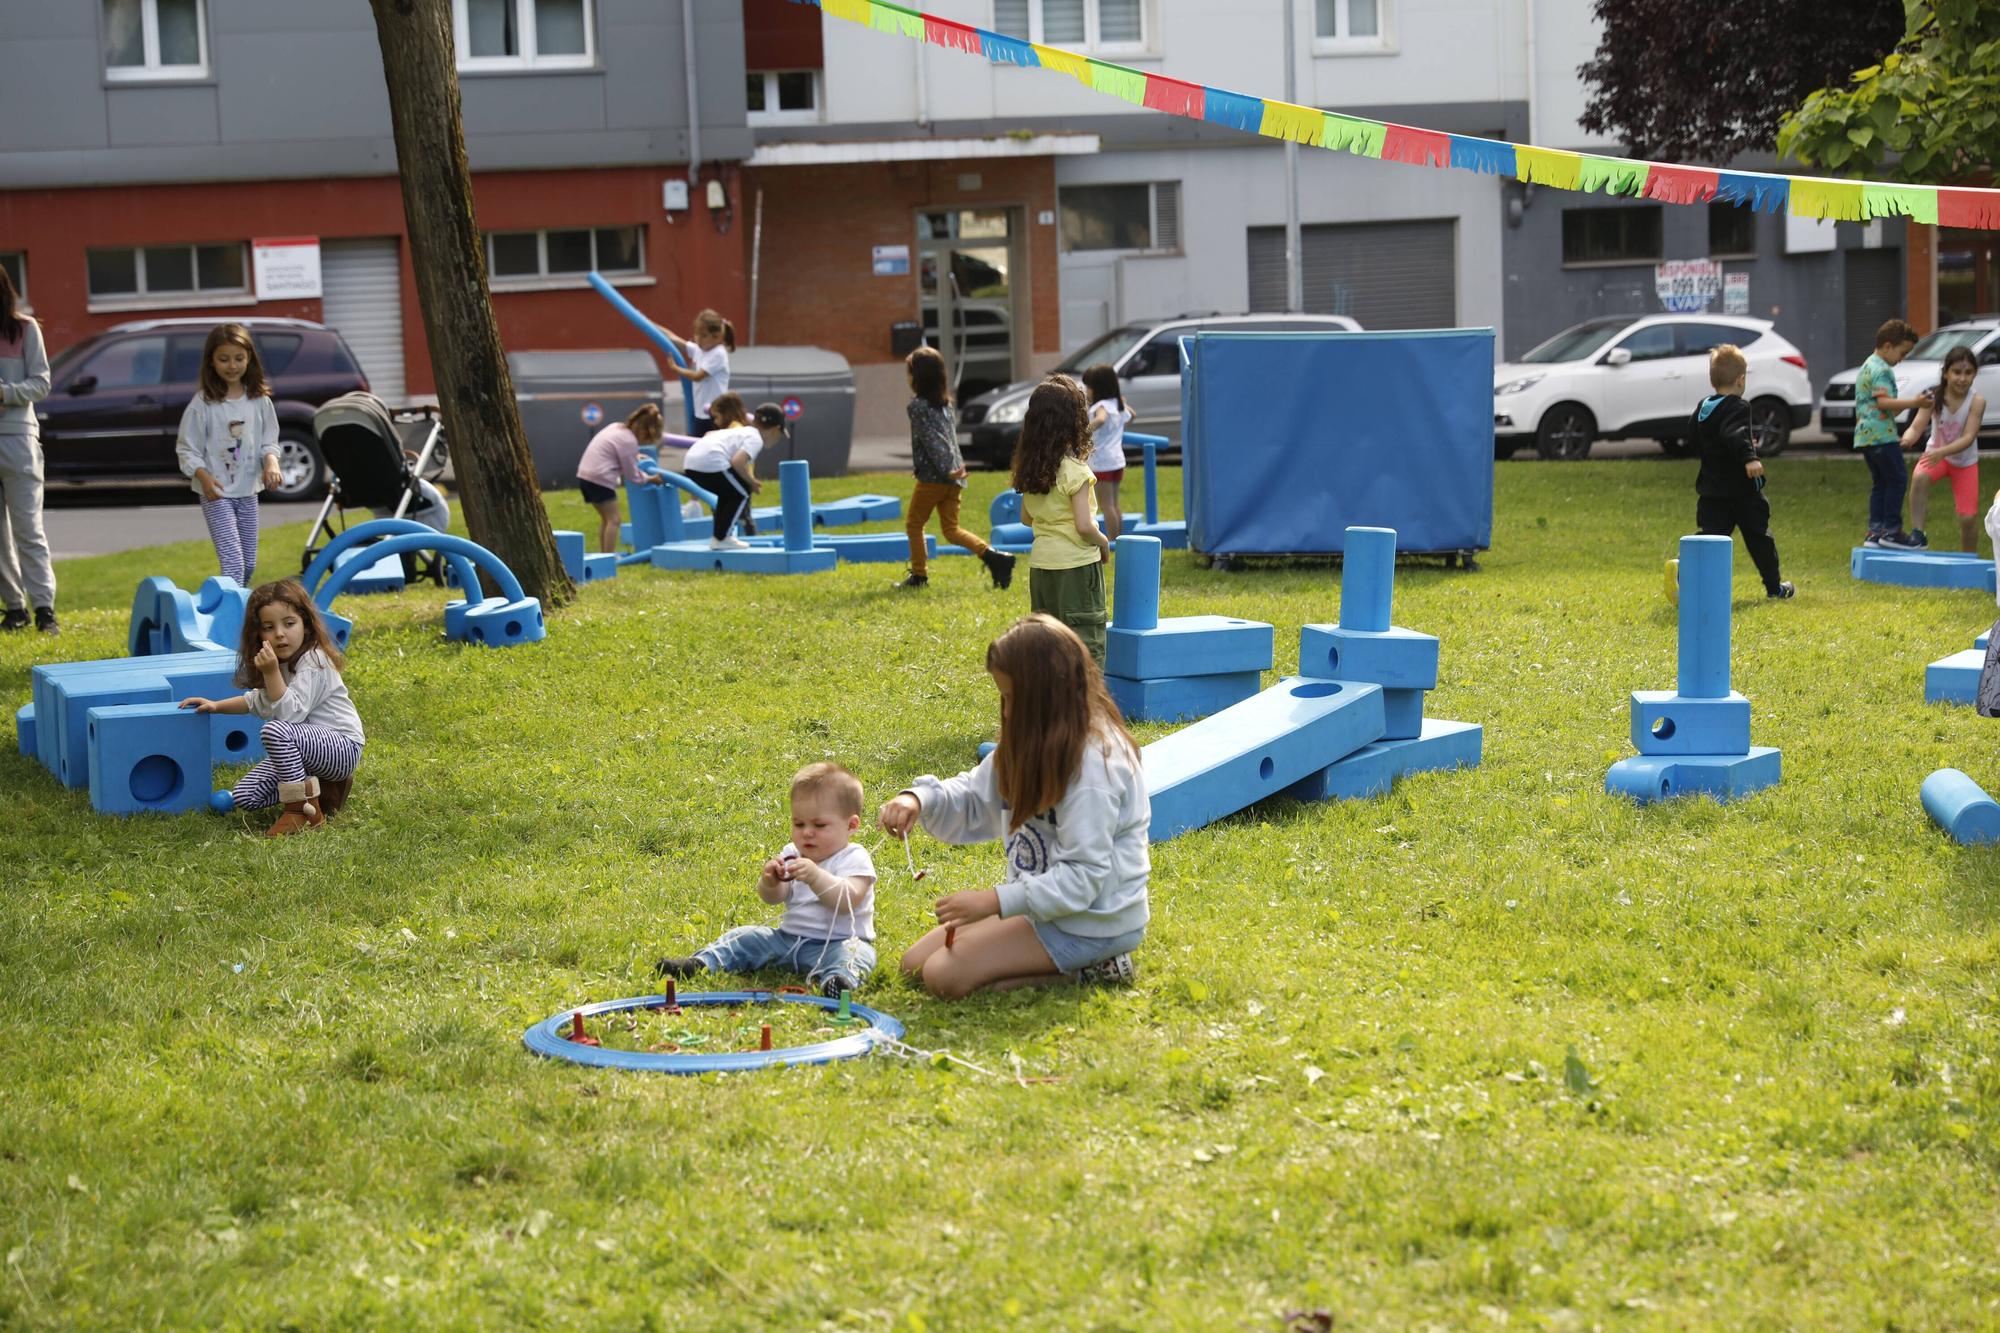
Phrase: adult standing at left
(27, 575)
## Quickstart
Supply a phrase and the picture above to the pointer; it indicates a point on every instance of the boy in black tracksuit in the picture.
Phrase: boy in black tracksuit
(1729, 489)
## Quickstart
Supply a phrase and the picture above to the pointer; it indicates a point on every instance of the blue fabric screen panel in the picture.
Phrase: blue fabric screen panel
(1289, 439)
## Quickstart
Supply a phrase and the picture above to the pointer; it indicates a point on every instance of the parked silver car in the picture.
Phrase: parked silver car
(1148, 361)
(1920, 370)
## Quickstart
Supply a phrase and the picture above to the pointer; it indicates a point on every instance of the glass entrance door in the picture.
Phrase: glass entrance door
(966, 288)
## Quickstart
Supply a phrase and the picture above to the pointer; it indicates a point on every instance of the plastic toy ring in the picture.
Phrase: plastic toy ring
(549, 1037)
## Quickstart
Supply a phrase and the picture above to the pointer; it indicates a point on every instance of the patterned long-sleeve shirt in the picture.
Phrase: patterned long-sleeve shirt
(934, 443)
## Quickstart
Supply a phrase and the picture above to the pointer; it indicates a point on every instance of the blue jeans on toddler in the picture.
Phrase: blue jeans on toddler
(748, 948)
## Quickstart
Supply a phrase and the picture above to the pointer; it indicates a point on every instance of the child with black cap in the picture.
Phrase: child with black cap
(725, 461)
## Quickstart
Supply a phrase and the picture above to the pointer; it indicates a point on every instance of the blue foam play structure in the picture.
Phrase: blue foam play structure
(1961, 807)
(1288, 439)
(845, 512)
(798, 554)
(1009, 533)
(1955, 679)
(1923, 569)
(157, 757)
(496, 622)
(377, 573)
(581, 565)
(1696, 739)
(1173, 533)
(1181, 668)
(24, 730)
(653, 336)
(166, 619)
(548, 1037)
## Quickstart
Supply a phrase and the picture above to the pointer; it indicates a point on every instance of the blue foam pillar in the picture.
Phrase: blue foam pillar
(646, 530)
(1135, 603)
(1152, 481)
(1367, 579)
(1704, 576)
(795, 494)
(1961, 807)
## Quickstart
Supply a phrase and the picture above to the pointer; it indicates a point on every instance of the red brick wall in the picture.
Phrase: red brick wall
(817, 286)
(693, 264)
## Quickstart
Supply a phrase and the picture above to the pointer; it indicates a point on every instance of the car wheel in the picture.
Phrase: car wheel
(1676, 448)
(1504, 449)
(1770, 426)
(1566, 433)
(301, 468)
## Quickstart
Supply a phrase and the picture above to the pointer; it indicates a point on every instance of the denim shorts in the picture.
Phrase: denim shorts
(1072, 953)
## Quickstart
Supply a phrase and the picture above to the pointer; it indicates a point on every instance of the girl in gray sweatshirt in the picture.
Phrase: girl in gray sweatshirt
(26, 572)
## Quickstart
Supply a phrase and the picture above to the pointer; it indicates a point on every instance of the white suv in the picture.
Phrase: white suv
(1642, 375)
(1920, 370)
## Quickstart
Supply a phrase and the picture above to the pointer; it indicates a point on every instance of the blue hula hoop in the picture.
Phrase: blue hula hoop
(546, 1037)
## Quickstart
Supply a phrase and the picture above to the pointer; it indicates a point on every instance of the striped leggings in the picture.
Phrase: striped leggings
(232, 526)
(292, 750)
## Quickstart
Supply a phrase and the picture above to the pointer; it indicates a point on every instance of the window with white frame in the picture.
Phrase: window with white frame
(1144, 216)
(168, 271)
(1338, 23)
(524, 34)
(778, 96)
(16, 264)
(1092, 25)
(563, 252)
(155, 39)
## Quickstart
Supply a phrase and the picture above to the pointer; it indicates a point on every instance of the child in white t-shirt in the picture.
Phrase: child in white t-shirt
(1108, 415)
(724, 461)
(707, 371)
(827, 884)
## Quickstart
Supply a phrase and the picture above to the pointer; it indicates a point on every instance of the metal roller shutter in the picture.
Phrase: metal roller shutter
(1874, 294)
(1387, 275)
(362, 282)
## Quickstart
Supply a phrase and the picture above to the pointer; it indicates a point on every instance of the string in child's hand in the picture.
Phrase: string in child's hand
(916, 875)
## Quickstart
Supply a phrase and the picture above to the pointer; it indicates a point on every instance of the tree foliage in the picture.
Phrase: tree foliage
(1705, 80)
(1933, 102)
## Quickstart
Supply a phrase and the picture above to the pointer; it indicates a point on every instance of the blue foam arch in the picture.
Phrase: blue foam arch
(373, 529)
(428, 540)
(546, 1037)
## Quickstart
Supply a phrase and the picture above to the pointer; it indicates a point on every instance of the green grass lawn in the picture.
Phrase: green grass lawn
(1496, 1046)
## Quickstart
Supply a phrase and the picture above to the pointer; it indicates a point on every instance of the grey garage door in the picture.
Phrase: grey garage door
(1387, 275)
(363, 285)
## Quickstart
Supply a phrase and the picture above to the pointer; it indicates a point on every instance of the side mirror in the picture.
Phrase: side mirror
(1618, 356)
(84, 384)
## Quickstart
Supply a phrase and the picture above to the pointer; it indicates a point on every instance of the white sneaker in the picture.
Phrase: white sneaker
(1116, 970)
(727, 544)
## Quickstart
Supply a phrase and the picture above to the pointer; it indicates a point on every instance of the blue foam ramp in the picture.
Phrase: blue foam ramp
(1402, 714)
(1923, 569)
(1664, 722)
(1961, 807)
(1256, 749)
(1394, 658)
(1172, 535)
(1181, 698)
(696, 555)
(841, 513)
(24, 730)
(1371, 770)
(1659, 777)
(1954, 679)
(148, 757)
(384, 574)
(1188, 646)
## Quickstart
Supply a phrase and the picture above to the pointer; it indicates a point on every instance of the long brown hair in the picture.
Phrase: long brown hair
(212, 386)
(1057, 426)
(293, 594)
(10, 320)
(1101, 382)
(927, 379)
(710, 321)
(1059, 703)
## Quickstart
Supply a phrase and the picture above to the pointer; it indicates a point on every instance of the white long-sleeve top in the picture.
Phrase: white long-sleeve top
(231, 439)
(1080, 867)
(315, 693)
(24, 379)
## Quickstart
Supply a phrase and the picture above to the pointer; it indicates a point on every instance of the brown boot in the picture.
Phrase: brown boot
(333, 793)
(301, 808)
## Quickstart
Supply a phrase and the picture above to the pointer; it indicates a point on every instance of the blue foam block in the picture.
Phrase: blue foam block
(1664, 722)
(24, 730)
(1961, 807)
(1402, 714)
(696, 555)
(1923, 569)
(569, 546)
(1180, 698)
(382, 575)
(880, 548)
(1954, 679)
(1394, 658)
(1659, 777)
(1982, 641)
(841, 513)
(148, 757)
(1371, 770)
(44, 679)
(599, 565)
(624, 534)
(73, 697)
(1256, 749)
(499, 623)
(1188, 646)
(1172, 535)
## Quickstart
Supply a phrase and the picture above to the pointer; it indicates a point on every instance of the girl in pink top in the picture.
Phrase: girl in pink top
(612, 456)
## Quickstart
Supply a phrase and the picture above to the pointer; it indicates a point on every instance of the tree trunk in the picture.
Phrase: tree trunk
(496, 473)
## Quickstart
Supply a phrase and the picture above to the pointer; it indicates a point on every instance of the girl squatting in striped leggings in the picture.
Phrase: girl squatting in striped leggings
(228, 446)
(312, 733)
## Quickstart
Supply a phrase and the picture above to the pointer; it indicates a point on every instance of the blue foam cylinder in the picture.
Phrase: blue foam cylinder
(795, 495)
(1136, 584)
(1367, 578)
(1961, 807)
(1704, 640)
(653, 335)
(1149, 446)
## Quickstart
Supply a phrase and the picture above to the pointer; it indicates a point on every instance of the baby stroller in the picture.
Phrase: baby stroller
(362, 443)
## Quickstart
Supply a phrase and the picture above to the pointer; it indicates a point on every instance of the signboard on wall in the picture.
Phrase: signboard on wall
(1685, 286)
(1736, 294)
(286, 268)
(891, 261)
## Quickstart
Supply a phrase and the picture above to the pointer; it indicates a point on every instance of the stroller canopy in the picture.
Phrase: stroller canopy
(358, 437)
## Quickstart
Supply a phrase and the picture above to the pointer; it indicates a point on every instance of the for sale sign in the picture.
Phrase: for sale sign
(1687, 285)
